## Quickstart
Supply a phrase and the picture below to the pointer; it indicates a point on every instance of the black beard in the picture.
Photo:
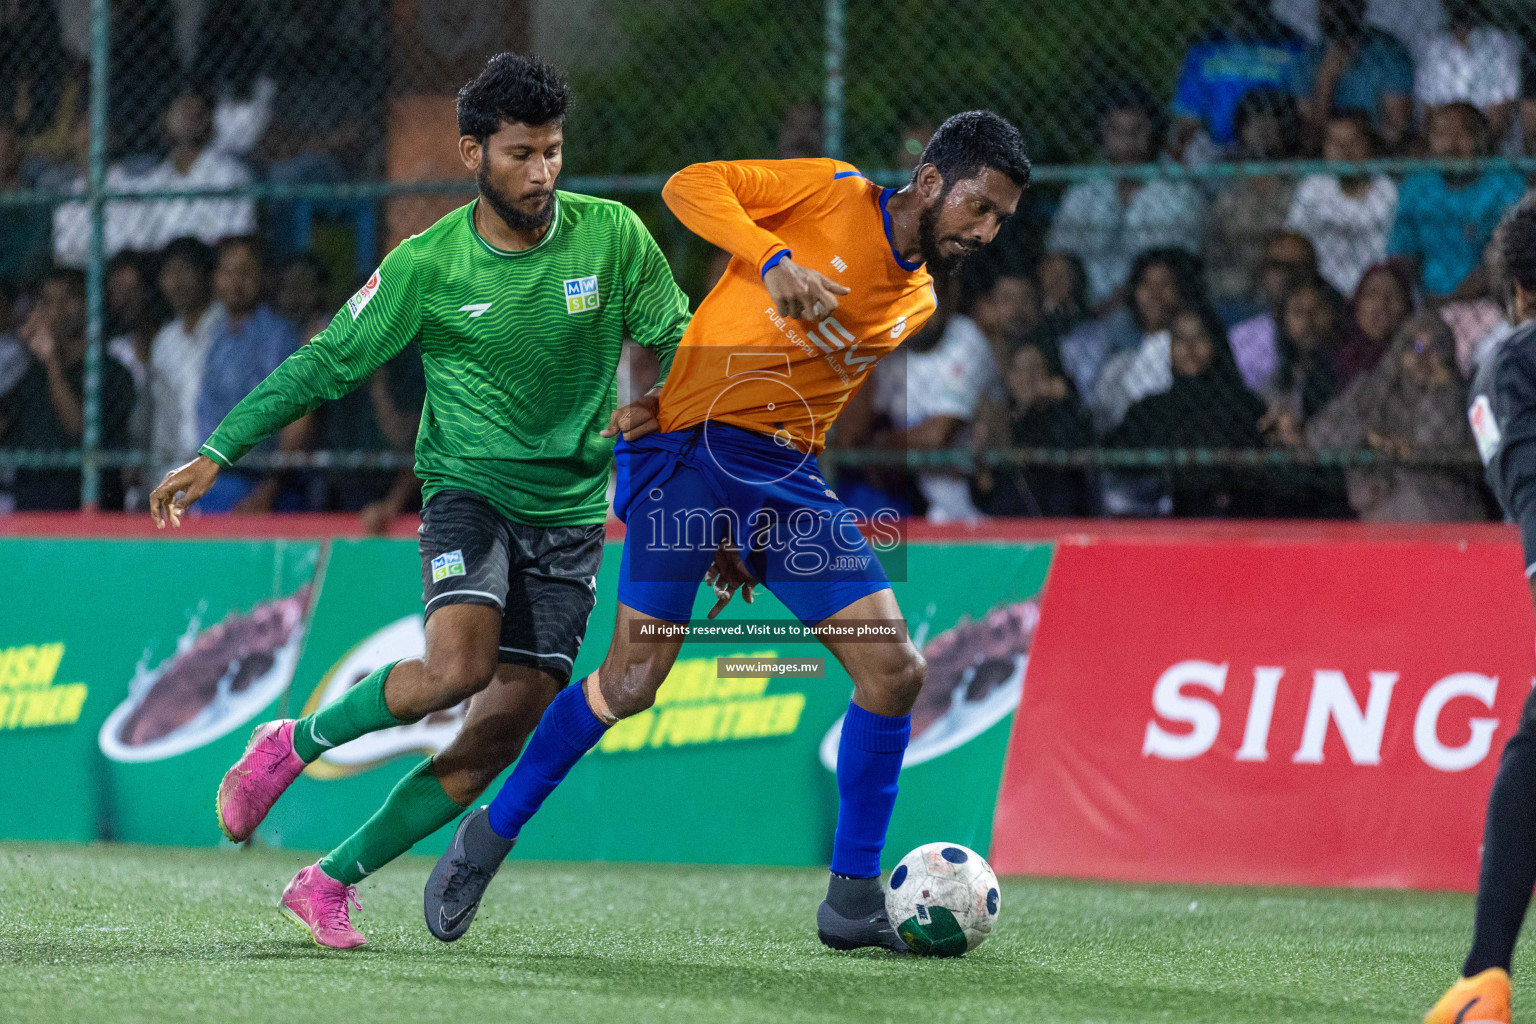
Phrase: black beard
(514, 218)
(939, 265)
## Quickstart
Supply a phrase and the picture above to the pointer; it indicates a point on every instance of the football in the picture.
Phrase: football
(943, 899)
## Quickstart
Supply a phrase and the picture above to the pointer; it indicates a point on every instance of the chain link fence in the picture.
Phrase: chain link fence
(1248, 280)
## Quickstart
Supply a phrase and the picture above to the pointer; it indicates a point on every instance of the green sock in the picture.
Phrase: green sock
(416, 808)
(360, 711)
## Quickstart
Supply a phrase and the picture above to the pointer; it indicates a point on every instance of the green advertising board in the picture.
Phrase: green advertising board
(128, 674)
(721, 770)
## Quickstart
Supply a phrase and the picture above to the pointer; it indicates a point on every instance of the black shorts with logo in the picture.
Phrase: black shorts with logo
(544, 579)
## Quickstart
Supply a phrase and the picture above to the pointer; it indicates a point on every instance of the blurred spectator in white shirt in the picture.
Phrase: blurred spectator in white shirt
(133, 319)
(193, 162)
(1471, 62)
(1108, 221)
(1163, 282)
(127, 225)
(1411, 21)
(931, 392)
(1348, 219)
(178, 353)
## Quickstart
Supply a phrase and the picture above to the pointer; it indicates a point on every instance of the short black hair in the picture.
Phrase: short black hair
(1514, 248)
(512, 88)
(1474, 117)
(253, 243)
(1270, 103)
(1362, 120)
(1077, 270)
(189, 250)
(1465, 12)
(1188, 275)
(145, 263)
(308, 258)
(72, 278)
(967, 143)
(982, 273)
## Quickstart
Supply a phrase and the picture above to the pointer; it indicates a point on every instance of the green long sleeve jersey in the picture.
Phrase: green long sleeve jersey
(520, 351)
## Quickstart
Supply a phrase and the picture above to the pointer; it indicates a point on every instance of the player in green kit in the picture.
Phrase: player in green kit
(520, 302)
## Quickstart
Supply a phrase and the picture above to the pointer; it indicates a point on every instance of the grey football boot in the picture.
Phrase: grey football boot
(459, 879)
(853, 916)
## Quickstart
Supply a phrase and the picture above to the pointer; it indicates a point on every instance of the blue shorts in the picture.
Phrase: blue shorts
(679, 493)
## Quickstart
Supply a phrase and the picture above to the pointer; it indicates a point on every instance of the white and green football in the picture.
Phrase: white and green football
(942, 899)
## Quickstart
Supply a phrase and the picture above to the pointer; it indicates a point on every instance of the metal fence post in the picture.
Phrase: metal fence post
(90, 449)
(832, 116)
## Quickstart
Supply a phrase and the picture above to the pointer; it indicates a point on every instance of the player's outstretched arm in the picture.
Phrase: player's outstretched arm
(371, 329)
(191, 481)
(725, 201)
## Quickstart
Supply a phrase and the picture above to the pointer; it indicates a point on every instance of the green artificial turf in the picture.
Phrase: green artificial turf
(116, 935)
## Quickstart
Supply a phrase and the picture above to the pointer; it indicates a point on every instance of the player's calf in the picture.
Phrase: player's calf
(875, 732)
(569, 728)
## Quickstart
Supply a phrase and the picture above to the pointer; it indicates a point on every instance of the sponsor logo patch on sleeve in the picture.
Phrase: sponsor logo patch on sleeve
(365, 294)
(1485, 428)
(449, 563)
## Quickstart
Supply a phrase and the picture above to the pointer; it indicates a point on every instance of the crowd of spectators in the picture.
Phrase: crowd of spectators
(1312, 315)
(192, 329)
(203, 296)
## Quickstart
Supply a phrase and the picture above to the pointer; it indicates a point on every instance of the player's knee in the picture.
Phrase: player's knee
(899, 678)
(460, 675)
(627, 693)
(910, 673)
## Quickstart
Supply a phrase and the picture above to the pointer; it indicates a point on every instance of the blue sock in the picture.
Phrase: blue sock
(868, 761)
(567, 731)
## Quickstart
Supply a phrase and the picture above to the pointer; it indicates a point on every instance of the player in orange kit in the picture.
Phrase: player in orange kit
(829, 272)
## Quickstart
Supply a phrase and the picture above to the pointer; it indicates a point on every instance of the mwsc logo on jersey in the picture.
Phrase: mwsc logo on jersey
(581, 294)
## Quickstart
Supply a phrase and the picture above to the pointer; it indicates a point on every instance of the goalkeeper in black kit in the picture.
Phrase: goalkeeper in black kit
(1503, 419)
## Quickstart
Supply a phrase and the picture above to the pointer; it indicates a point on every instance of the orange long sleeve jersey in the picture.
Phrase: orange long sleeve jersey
(741, 363)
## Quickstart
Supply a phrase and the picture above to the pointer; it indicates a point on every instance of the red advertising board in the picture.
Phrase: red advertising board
(1319, 710)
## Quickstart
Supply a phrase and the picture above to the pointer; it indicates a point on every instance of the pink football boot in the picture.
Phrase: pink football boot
(323, 905)
(268, 767)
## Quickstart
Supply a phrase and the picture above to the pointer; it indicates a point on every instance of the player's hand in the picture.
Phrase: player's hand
(40, 341)
(636, 419)
(377, 516)
(1281, 428)
(801, 292)
(190, 481)
(727, 574)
